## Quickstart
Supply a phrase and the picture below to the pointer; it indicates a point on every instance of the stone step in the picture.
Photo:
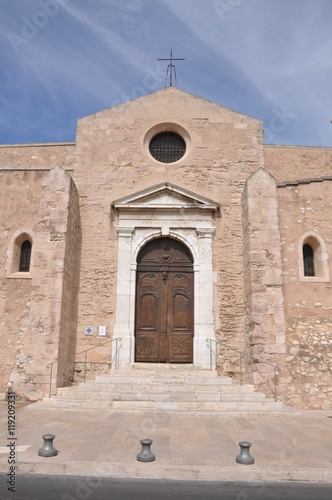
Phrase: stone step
(179, 389)
(160, 396)
(140, 388)
(168, 367)
(93, 404)
(266, 406)
(167, 381)
(162, 374)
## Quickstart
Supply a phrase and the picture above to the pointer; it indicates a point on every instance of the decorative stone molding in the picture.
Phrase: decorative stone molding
(165, 210)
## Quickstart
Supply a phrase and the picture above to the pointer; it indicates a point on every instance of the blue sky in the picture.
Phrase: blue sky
(65, 59)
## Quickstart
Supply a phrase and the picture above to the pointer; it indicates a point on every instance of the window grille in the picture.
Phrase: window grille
(25, 257)
(308, 260)
(167, 147)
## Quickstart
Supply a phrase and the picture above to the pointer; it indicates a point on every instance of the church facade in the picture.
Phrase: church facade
(168, 224)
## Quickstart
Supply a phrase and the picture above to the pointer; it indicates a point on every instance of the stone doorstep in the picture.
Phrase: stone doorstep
(168, 367)
(167, 381)
(160, 375)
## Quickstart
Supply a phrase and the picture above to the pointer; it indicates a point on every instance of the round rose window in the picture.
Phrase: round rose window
(167, 147)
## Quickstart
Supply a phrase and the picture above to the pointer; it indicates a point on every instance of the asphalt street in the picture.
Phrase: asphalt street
(49, 487)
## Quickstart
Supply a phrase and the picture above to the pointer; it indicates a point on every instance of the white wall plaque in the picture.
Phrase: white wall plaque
(102, 331)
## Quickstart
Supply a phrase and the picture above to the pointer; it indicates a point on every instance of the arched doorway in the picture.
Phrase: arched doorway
(164, 324)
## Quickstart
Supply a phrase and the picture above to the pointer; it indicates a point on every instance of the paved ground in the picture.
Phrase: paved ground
(291, 447)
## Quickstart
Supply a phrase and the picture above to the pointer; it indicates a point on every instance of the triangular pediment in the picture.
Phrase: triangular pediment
(171, 99)
(165, 196)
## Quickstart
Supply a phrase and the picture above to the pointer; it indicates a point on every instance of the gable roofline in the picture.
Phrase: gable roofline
(133, 200)
(170, 90)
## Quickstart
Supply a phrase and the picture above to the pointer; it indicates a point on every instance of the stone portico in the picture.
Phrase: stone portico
(160, 211)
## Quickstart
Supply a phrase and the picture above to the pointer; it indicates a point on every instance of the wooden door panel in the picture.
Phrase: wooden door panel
(150, 309)
(180, 317)
(180, 348)
(146, 348)
(164, 303)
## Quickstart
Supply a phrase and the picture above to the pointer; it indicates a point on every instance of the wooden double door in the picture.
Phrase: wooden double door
(164, 303)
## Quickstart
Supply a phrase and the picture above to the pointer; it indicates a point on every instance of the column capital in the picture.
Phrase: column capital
(207, 232)
(125, 232)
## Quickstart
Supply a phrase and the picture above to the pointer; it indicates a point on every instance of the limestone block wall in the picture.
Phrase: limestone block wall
(19, 203)
(288, 163)
(40, 335)
(265, 321)
(36, 155)
(223, 149)
(305, 209)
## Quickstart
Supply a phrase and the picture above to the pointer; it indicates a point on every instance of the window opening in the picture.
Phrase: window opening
(25, 257)
(167, 147)
(308, 260)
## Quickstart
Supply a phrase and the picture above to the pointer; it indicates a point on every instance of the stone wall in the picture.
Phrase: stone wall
(40, 335)
(19, 203)
(288, 163)
(309, 362)
(36, 155)
(306, 209)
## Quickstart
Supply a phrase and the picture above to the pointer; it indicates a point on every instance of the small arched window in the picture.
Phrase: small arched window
(313, 259)
(25, 257)
(308, 260)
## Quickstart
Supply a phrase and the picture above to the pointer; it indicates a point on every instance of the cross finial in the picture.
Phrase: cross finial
(170, 69)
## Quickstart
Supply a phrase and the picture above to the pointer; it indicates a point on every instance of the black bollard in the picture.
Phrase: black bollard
(245, 457)
(146, 454)
(48, 450)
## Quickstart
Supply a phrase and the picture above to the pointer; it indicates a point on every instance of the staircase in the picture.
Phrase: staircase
(174, 388)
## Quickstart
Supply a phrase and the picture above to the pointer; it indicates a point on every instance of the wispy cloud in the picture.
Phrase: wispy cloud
(261, 55)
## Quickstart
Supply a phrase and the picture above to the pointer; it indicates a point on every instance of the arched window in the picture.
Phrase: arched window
(308, 260)
(25, 257)
(313, 259)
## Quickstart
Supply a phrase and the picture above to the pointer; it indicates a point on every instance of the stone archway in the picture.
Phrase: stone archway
(165, 211)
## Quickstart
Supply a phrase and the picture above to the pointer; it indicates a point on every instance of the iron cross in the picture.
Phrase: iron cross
(170, 69)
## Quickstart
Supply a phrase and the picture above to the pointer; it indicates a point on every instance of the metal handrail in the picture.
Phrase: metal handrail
(50, 365)
(275, 367)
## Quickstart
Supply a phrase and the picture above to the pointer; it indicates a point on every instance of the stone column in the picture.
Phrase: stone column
(124, 294)
(204, 325)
